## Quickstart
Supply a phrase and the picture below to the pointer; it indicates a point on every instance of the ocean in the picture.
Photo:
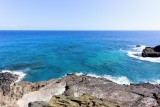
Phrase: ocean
(43, 55)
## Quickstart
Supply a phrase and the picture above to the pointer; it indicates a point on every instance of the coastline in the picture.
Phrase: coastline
(27, 94)
(56, 54)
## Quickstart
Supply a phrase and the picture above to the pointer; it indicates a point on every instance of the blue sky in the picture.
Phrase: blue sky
(79, 14)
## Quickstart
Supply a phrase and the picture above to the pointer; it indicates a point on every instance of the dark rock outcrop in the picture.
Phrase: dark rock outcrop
(5, 80)
(157, 48)
(151, 51)
(138, 45)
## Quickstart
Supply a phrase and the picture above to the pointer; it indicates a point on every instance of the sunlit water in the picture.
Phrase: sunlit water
(42, 55)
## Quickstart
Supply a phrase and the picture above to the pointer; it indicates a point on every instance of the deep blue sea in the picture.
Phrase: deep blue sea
(43, 55)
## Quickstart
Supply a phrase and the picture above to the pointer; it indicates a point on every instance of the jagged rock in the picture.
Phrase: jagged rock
(5, 80)
(21, 88)
(10, 91)
(126, 95)
(151, 51)
(72, 87)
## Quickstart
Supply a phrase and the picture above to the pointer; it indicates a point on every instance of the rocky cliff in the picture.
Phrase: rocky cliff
(76, 91)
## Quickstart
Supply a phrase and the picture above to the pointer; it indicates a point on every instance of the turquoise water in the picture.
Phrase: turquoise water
(43, 55)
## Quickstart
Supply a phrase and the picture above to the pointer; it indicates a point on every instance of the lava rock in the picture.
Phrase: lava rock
(138, 45)
(151, 52)
(157, 48)
(5, 80)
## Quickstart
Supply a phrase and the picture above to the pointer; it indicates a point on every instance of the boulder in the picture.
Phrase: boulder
(151, 51)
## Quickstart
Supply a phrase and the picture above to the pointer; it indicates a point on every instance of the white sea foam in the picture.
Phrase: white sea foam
(80, 73)
(118, 80)
(136, 52)
(20, 73)
(139, 49)
(137, 55)
(155, 81)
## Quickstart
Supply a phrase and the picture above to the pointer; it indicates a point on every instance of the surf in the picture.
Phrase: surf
(135, 52)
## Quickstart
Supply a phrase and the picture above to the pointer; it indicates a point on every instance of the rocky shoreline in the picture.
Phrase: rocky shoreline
(76, 91)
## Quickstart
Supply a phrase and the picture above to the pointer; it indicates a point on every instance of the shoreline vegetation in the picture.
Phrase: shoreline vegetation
(76, 91)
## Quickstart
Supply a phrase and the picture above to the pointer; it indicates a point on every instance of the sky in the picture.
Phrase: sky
(79, 14)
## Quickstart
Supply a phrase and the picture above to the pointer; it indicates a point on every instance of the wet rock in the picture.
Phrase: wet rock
(138, 45)
(151, 51)
(157, 48)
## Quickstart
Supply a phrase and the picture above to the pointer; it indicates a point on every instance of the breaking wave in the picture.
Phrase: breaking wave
(155, 81)
(136, 52)
(118, 80)
(20, 73)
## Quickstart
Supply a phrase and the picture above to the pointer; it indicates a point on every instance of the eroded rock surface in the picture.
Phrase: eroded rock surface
(5, 80)
(126, 95)
(72, 89)
(82, 101)
(10, 91)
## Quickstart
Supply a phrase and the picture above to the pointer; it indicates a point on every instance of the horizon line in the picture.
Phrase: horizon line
(69, 30)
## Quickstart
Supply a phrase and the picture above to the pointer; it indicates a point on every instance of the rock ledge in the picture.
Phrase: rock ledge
(79, 91)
